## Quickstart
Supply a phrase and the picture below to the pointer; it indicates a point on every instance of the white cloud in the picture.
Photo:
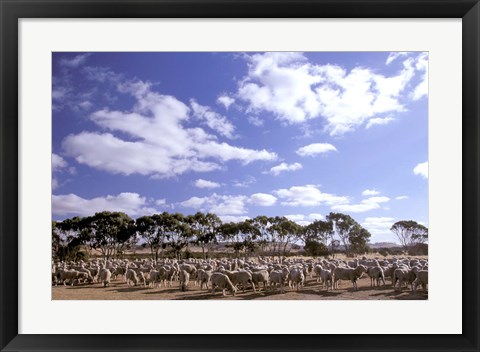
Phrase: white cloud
(308, 195)
(161, 202)
(401, 197)
(421, 90)
(365, 205)
(201, 183)
(212, 119)
(71, 204)
(370, 192)
(160, 144)
(304, 220)
(315, 149)
(255, 120)
(294, 90)
(395, 55)
(75, 61)
(421, 169)
(58, 163)
(247, 182)
(379, 121)
(378, 225)
(263, 199)
(225, 100)
(276, 170)
(232, 218)
(218, 204)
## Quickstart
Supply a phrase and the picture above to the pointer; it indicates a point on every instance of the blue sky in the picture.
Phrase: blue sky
(242, 134)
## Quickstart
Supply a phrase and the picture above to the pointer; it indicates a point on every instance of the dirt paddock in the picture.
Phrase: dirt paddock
(312, 290)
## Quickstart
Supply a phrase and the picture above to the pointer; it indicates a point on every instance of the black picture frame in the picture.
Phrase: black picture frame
(13, 10)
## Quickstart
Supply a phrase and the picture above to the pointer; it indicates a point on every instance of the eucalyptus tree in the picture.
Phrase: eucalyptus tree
(66, 239)
(342, 225)
(150, 228)
(240, 236)
(317, 236)
(409, 232)
(177, 232)
(285, 232)
(110, 232)
(205, 228)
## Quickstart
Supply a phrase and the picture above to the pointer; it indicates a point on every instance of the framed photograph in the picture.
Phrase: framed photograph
(245, 171)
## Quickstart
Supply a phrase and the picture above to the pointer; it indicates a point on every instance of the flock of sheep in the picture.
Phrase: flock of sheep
(235, 274)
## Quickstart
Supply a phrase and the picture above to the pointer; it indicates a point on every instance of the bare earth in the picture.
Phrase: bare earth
(119, 290)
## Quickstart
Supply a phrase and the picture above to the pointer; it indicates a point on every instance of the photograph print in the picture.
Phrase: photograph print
(239, 176)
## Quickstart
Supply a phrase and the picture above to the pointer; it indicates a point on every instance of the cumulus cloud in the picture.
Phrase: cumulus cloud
(58, 162)
(75, 61)
(201, 183)
(263, 199)
(421, 169)
(379, 121)
(304, 220)
(159, 144)
(218, 204)
(395, 55)
(255, 120)
(378, 225)
(233, 218)
(225, 100)
(401, 197)
(294, 90)
(212, 119)
(421, 90)
(365, 205)
(276, 170)
(315, 149)
(246, 182)
(308, 195)
(130, 203)
(370, 192)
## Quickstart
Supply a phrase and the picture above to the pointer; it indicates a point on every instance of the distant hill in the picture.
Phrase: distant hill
(384, 245)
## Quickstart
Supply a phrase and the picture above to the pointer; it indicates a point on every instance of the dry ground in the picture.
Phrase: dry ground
(119, 290)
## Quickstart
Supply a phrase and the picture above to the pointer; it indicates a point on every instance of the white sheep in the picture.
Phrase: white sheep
(421, 279)
(350, 274)
(131, 276)
(376, 275)
(261, 276)
(222, 282)
(104, 276)
(296, 278)
(184, 277)
(403, 275)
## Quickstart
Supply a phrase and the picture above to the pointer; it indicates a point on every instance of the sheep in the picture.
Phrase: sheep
(222, 282)
(261, 276)
(326, 276)
(204, 277)
(154, 278)
(190, 269)
(104, 276)
(376, 274)
(241, 277)
(317, 269)
(70, 275)
(348, 274)
(296, 278)
(131, 276)
(403, 275)
(279, 277)
(184, 277)
(421, 279)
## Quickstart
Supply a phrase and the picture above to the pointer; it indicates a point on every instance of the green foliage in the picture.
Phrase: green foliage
(315, 249)
(410, 233)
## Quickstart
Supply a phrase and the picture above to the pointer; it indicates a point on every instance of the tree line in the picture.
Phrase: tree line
(169, 234)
